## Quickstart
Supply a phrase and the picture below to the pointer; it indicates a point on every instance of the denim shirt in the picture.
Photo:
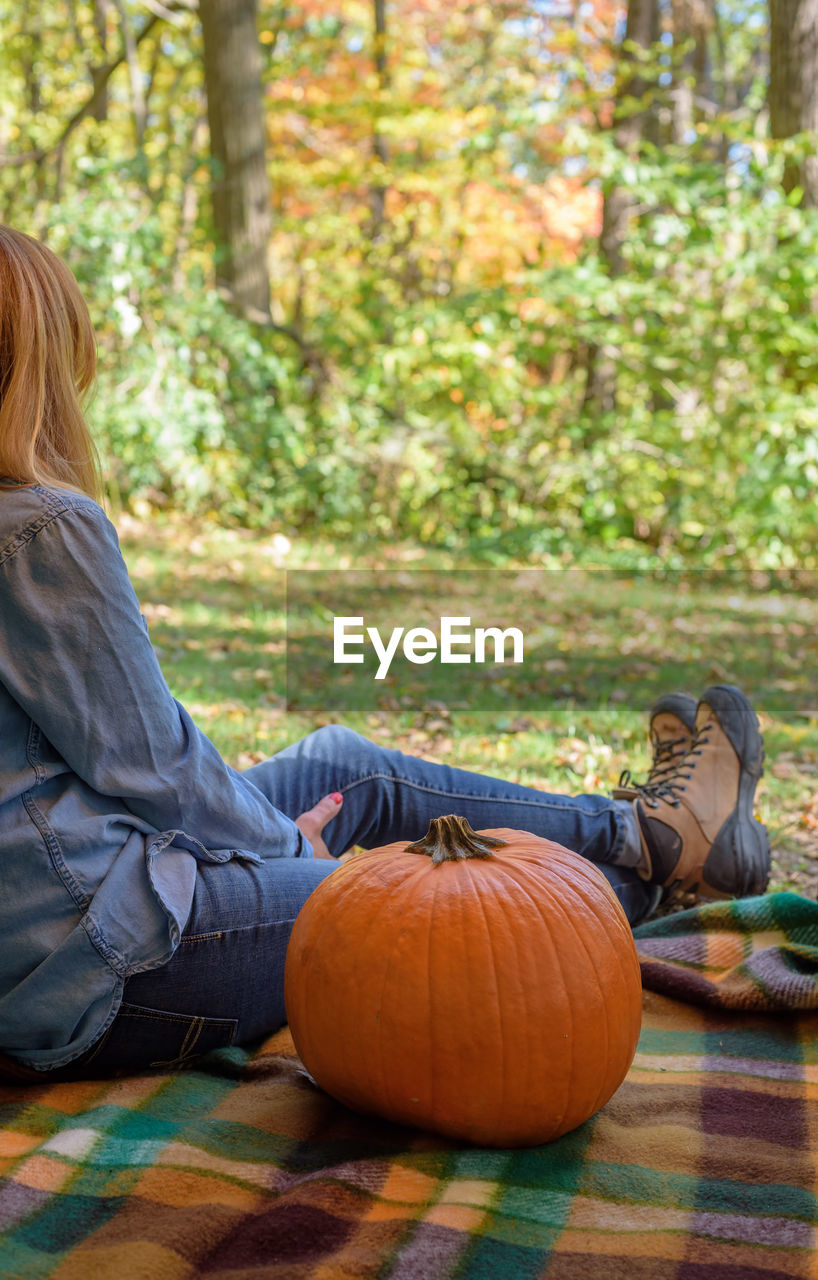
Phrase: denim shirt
(109, 794)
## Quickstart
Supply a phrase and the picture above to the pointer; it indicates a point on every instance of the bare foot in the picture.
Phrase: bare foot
(312, 823)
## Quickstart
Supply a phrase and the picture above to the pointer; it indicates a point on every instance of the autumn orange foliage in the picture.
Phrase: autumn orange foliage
(452, 185)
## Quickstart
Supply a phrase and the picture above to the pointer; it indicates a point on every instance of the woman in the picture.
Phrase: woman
(149, 889)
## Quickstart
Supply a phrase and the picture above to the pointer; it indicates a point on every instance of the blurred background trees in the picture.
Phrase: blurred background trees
(529, 277)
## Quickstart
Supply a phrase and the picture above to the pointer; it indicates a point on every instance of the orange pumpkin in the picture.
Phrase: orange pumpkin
(484, 985)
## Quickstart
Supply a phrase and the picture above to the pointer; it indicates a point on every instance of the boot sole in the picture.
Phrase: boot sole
(738, 863)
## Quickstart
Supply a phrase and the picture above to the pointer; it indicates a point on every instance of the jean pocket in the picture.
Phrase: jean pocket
(141, 1038)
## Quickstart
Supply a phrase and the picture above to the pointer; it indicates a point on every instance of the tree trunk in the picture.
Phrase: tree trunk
(379, 147)
(139, 108)
(693, 20)
(630, 127)
(100, 111)
(240, 186)
(793, 92)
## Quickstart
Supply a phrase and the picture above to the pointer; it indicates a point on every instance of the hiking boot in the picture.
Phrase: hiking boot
(672, 727)
(696, 820)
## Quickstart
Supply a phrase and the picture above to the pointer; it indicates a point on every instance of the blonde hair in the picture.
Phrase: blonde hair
(47, 368)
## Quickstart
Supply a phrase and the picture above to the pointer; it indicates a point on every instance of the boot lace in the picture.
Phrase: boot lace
(667, 759)
(670, 775)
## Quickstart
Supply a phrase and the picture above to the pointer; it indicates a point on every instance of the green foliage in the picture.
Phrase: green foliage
(456, 419)
(193, 407)
(427, 374)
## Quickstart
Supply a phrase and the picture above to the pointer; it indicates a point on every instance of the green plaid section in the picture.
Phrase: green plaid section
(748, 953)
(702, 1166)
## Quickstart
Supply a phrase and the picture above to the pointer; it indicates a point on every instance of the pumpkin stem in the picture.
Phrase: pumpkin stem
(451, 839)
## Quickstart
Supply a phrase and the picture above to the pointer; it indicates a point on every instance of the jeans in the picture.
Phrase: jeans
(225, 982)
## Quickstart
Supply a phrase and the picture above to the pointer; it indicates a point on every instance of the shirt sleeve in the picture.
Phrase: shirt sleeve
(76, 656)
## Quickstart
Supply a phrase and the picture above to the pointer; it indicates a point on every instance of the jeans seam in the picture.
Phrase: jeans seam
(56, 508)
(32, 752)
(239, 928)
(619, 840)
(548, 801)
(158, 1015)
(55, 853)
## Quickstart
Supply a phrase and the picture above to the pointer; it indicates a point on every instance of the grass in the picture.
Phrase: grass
(243, 625)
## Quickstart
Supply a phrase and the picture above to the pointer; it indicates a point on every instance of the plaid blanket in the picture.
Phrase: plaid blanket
(750, 953)
(702, 1166)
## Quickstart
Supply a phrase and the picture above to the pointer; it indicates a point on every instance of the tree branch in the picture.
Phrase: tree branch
(169, 14)
(101, 77)
(138, 104)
